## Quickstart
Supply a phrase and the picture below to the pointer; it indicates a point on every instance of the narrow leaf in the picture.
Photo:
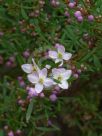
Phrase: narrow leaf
(29, 111)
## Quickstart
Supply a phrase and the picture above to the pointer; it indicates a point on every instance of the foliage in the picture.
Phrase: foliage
(30, 28)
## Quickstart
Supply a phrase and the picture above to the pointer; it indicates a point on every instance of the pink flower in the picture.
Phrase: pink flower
(60, 54)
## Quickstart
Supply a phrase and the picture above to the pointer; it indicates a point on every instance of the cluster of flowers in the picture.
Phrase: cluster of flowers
(41, 79)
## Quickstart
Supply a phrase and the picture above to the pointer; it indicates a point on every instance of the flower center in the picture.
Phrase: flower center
(60, 55)
(41, 80)
(34, 69)
(60, 78)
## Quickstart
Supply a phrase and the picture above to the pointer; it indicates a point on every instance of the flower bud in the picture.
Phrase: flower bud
(53, 97)
(10, 133)
(71, 4)
(77, 14)
(91, 18)
(80, 19)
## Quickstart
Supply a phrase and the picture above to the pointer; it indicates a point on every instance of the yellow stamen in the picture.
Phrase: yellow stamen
(59, 55)
(60, 78)
(41, 80)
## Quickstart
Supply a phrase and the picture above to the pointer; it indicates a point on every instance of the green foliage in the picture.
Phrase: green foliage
(78, 110)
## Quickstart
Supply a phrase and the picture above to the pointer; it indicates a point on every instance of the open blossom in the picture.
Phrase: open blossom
(60, 54)
(40, 80)
(61, 75)
(30, 68)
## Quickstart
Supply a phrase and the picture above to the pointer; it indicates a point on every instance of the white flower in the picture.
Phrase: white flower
(30, 68)
(40, 80)
(61, 75)
(60, 54)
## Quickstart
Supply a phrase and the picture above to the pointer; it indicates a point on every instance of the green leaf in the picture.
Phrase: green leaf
(97, 62)
(1, 133)
(47, 129)
(24, 13)
(29, 110)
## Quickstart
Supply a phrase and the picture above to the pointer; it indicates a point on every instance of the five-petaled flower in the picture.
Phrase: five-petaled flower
(60, 54)
(40, 80)
(61, 75)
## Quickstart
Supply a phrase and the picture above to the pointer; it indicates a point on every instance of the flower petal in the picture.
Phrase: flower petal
(48, 82)
(38, 88)
(28, 68)
(61, 63)
(56, 72)
(58, 60)
(48, 66)
(53, 54)
(33, 78)
(66, 75)
(35, 65)
(67, 56)
(64, 85)
(43, 73)
(61, 48)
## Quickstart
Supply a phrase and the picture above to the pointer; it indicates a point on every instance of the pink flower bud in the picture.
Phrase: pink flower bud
(53, 97)
(26, 54)
(79, 71)
(91, 18)
(67, 14)
(32, 92)
(1, 34)
(57, 88)
(22, 83)
(80, 19)
(19, 78)
(10, 133)
(42, 95)
(71, 4)
(9, 64)
(49, 123)
(6, 127)
(20, 102)
(12, 59)
(77, 14)
(76, 76)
